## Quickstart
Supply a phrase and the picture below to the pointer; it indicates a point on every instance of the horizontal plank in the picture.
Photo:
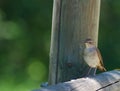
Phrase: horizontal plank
(107, 81)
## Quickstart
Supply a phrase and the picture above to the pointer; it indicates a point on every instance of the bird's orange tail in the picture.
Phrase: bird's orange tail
(101, 68)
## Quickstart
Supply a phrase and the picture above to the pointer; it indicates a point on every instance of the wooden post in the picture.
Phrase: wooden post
(73, 22)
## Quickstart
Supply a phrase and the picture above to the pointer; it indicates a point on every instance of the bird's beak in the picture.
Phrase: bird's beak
(86, 44)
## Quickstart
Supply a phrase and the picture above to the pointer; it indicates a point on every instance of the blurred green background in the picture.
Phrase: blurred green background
(25, 27)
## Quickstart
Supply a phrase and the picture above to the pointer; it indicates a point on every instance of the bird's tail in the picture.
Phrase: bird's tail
(101, 68)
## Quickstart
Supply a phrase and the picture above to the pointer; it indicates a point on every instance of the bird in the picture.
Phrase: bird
(92, 56)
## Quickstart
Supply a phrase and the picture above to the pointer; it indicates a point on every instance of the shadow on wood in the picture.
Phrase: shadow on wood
(107, 81)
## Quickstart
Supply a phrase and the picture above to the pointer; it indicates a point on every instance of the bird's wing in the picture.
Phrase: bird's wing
(100, 57)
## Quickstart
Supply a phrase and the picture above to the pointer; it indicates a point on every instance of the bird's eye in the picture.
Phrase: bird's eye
(90, 42)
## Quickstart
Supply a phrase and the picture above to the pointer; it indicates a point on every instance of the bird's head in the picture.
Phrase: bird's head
(89, 43)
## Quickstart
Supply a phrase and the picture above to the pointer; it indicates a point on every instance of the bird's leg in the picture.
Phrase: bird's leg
(94, 71)
(89, 71)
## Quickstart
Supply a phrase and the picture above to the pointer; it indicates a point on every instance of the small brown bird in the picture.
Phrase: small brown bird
(92, 56)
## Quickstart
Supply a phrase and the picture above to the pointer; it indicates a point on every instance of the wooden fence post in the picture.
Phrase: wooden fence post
(73, 22)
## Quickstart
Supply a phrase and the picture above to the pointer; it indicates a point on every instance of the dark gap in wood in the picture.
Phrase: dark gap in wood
(108, 85)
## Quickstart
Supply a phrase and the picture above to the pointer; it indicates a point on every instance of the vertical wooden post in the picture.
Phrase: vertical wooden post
(73, 22)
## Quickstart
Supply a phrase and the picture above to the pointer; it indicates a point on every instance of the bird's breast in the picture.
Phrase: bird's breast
(91, 57)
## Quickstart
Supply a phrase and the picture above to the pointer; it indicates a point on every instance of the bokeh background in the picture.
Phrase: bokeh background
(25, 29)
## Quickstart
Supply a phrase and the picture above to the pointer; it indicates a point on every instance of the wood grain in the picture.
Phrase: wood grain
(73, 22)
(107, 81)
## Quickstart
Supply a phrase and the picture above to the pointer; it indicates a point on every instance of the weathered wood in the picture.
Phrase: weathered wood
(54, 50)
(73, 22)
(107, 81)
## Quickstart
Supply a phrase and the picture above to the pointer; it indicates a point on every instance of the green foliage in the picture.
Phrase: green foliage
(109, 41)
(25, 27)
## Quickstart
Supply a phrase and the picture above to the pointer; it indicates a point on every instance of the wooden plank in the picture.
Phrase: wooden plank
(107, 81)
(73, 22)
(54, 49)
